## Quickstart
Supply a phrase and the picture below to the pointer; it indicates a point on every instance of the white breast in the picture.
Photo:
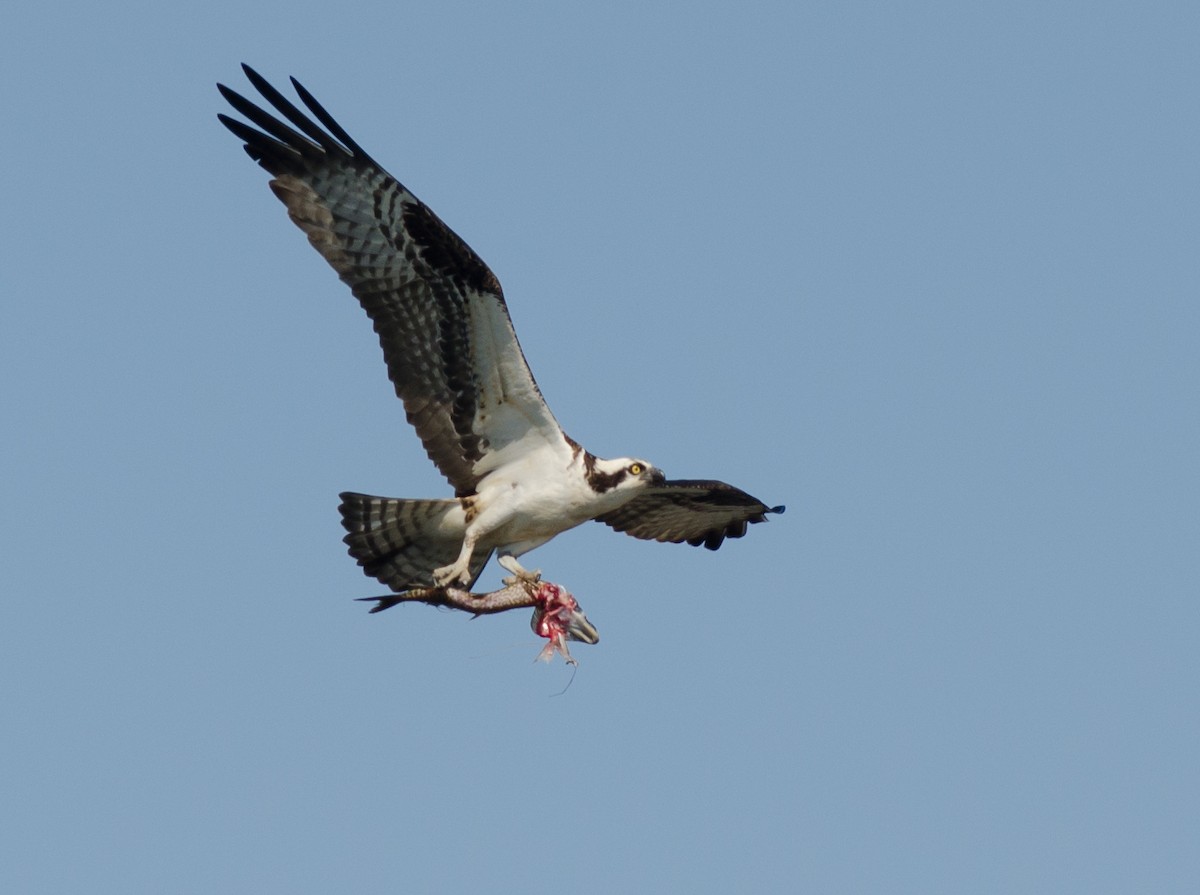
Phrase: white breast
(543, 493)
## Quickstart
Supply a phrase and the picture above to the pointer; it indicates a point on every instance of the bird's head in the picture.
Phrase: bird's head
(622, 474)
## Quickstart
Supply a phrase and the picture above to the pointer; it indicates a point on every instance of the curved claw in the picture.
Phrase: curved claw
(450, 575)
(522, 576)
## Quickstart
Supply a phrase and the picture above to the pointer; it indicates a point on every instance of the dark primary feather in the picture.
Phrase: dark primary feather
(424, 288)
(698, 512)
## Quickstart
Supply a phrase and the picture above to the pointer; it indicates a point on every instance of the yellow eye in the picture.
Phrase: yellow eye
(636, 468)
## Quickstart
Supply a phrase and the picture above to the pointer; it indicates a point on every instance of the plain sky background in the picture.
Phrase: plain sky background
(926, 273)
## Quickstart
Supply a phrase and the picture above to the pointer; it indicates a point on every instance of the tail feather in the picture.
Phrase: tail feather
(400, 542)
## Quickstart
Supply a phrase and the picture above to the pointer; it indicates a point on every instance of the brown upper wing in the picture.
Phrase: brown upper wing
(699, 512)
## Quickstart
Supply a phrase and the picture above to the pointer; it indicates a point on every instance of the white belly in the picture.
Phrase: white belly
(528, 504)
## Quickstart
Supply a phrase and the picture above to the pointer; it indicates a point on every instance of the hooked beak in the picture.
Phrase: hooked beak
(657, 477)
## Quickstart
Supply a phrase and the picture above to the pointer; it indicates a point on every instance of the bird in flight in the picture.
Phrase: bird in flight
(453, 357)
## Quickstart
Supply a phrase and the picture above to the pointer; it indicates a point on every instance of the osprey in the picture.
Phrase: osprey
(454, 359)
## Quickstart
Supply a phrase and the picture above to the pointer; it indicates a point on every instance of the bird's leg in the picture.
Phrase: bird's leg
(520, 575)
(460, 571)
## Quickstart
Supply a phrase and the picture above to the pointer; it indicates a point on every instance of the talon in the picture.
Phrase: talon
(447, 575)
(522, 576)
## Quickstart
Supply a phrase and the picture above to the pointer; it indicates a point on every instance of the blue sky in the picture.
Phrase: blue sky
(926, 273)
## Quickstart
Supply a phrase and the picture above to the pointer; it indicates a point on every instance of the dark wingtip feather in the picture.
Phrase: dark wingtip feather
(779, 509)
(276, 146)
(328, 120)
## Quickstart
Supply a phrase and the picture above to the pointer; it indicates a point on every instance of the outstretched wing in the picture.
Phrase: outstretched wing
(449, 344)
(698, 512)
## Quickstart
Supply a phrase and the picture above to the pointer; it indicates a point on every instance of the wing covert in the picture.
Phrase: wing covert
(695, 511)
(448, 342)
